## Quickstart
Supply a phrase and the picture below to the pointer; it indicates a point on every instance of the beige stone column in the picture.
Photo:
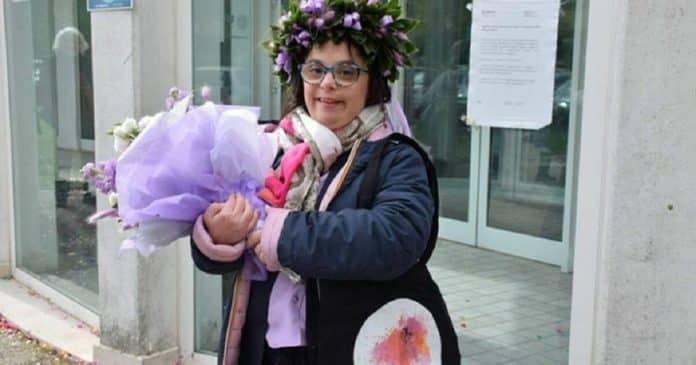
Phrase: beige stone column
(134, 66)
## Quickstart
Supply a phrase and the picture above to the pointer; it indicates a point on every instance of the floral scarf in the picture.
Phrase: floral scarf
(309, 150)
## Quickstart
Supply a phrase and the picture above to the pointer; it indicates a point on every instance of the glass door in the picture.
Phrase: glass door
(523, 191)
(227, 56)
(435, 92)
(500, 189)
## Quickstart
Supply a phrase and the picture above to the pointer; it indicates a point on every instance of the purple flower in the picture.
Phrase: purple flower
(102, 175)
(110, 173)
(302, 38)
(328, 15)
(398, 59)
(352, 21)
(402, 36)
(315, 22)
(386, 20)
(283, 60)
(105, 179)
(311, 6)
(88, 172)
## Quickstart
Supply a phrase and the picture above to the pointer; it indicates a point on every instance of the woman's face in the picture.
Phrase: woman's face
(329, 104)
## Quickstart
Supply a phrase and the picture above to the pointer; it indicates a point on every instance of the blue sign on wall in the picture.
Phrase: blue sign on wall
(109, 4)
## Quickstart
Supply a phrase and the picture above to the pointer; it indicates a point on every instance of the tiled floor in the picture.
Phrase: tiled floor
(506, 310)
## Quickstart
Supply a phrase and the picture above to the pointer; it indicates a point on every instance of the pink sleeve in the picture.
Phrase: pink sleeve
(270, 235)
(222, 253)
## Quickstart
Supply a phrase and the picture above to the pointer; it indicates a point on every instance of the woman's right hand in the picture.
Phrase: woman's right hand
(229, 222)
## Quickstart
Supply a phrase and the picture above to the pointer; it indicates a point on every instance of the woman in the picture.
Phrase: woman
(352, 209)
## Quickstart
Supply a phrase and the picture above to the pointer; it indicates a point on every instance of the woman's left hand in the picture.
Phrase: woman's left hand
(253, 239)
(262, 251)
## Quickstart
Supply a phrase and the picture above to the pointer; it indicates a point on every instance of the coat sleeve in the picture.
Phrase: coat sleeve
(213, 258)
(210, 266)
(365, 244)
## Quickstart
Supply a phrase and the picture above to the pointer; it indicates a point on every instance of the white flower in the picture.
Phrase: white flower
(283, 18)
(129, 125)
(120, 144)
(145, 121)
(113, 199)
(120, 132)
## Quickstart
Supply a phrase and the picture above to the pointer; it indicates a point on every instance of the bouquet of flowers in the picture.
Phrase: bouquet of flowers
(174, 164)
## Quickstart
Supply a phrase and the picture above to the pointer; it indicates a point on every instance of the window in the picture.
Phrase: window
(52, 130)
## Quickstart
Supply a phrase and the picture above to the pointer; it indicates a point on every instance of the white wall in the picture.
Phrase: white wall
(634, 287)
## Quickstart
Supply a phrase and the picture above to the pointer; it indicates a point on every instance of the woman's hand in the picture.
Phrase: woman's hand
(268, 258)
(229, 222)
(253, 239)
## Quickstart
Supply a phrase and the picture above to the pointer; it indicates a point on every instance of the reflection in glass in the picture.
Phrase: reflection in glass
(527, 168)
(223, 45)
(52, 124)
(209, 303)
(527, 180)
(223, 48)
(435, 91)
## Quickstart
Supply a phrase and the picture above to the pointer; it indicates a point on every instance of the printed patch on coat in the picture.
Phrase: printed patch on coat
(401, 332)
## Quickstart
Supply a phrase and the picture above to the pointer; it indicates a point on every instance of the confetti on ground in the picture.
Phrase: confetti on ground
(19, 347)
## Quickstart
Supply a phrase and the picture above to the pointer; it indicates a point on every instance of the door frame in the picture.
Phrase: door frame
(464, 232)
(7, 224)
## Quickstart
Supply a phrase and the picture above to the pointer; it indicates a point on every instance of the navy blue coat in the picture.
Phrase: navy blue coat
(345, 243)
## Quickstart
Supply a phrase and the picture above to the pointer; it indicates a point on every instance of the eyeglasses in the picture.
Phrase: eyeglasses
(344, 73)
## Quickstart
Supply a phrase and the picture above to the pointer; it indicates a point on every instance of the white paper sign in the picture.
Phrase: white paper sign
(512, 66)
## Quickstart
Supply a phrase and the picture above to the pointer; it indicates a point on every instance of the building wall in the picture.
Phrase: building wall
(645, 311)
(134, 67)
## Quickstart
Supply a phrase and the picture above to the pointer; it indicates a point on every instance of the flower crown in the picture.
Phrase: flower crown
(372, 25)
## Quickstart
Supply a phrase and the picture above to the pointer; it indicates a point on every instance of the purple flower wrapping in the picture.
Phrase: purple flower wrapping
(183, 161)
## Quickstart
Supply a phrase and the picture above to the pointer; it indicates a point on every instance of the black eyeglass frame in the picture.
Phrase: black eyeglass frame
(332, 69)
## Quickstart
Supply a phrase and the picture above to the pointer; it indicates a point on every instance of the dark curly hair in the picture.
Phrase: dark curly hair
(378, 90)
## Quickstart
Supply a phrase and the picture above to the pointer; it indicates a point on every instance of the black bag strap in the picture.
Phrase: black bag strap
(368, 187)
